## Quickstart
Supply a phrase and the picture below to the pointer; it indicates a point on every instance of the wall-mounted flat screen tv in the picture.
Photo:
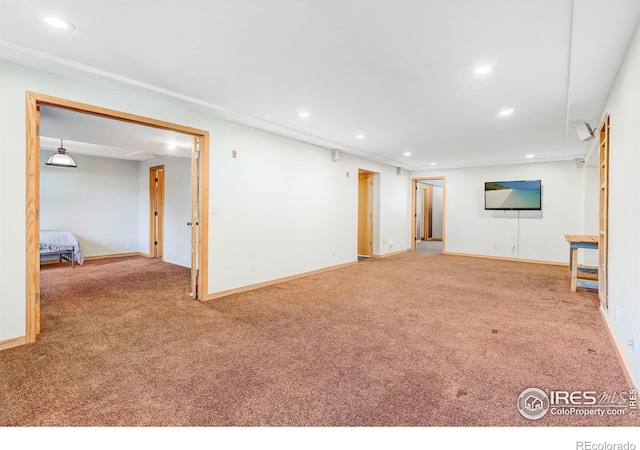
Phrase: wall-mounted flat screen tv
(513, 195)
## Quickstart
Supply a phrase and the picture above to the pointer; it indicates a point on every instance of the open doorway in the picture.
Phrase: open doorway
(428, 215)
(199, 195)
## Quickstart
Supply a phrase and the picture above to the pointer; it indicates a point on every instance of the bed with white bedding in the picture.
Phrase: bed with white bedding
(60, 244)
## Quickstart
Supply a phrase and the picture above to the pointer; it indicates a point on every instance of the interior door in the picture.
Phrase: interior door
(156, 195)
(417, 216)
(426, 211)
(195, 216)
(365, 213)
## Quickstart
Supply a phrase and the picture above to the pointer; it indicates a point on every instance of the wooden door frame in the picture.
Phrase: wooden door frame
(156, 250)
(414, 187)
(603, 226)
(33, 101)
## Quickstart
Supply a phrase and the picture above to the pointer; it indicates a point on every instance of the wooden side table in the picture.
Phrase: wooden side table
(588, 275)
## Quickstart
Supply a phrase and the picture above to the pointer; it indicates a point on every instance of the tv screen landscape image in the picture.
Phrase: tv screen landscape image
(513, 195)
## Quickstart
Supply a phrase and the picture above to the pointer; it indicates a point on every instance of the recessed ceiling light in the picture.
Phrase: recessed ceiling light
(432, 164)
(360, 136)
(483, 70)
(506, 112)
(407, 153)
(172, 146)
(304, 114)
(57, 22)
(530, 156)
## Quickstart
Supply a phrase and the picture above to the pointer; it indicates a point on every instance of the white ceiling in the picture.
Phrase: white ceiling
(96, 136)
(401, 72)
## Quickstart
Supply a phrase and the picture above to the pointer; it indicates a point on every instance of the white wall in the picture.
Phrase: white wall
(97, 202)
(623, 106)
(394, 233)
(177, 208)
(264, 215)
(591, 212)
(536, 235)
(284, 208)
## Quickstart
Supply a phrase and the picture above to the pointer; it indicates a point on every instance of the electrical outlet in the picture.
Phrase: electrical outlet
(253, 267)
(384, 241)
(632, 342)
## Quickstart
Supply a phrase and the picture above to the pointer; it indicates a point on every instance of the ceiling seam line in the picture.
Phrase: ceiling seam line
(568, 103)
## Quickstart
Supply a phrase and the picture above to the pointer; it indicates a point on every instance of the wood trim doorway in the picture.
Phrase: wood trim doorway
(34, 100)
(414, 198)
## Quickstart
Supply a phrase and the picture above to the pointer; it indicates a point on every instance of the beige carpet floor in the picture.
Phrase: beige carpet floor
(411, 340)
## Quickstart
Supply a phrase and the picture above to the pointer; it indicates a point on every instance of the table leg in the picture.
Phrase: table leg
(574, 268)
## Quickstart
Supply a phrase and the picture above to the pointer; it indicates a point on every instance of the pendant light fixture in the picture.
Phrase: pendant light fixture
(61, 159)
